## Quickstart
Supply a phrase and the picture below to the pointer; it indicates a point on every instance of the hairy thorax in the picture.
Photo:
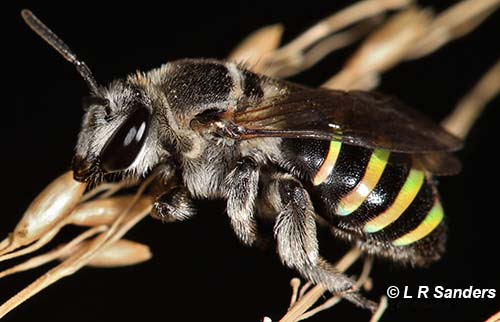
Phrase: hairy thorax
(205, 166)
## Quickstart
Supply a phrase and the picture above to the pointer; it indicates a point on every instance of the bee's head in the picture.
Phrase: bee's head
(117, 134)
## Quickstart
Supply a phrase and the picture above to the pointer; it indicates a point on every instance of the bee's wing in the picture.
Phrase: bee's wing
(366, 119)
(439, 163)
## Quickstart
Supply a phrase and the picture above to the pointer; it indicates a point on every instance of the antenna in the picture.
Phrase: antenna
(51, 38)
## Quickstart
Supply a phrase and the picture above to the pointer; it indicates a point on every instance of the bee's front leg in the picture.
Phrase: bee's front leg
(173, 201)
(173, 205)
(295, 233)
(241, 188)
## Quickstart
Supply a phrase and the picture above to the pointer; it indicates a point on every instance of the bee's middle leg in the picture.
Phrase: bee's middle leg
(241, 188)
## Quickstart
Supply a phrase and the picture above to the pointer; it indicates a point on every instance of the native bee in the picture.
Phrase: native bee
(361, 161)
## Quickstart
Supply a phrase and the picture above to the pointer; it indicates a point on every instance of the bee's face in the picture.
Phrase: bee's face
(116, 135)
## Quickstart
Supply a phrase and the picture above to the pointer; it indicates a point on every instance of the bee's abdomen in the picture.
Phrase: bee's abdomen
(379, 199)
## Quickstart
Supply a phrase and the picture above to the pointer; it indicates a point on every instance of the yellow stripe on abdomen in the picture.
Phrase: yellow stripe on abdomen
(329, 163)
(373, 172)
(408, 192)
(431, 221)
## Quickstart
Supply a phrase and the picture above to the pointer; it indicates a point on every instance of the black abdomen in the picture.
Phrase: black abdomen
(381, 201)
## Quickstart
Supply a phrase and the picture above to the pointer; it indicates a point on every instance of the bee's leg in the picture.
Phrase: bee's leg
(295, 233)
(173, 201)
(172, 205)
(241, 187)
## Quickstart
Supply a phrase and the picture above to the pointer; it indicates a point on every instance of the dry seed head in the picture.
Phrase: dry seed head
(49, 208)
(454, 22)
(253, 49)
(120, 253)
(393, 40)
(100, 211)
(386, 47)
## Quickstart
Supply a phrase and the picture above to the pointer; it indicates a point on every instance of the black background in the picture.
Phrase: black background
(199, 270)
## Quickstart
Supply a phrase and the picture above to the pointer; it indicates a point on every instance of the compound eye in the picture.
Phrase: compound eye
(122, 148)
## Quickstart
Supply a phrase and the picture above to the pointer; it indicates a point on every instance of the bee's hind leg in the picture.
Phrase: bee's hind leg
(295, 234)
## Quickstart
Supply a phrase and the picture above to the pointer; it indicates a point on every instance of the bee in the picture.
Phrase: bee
(362, 162)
